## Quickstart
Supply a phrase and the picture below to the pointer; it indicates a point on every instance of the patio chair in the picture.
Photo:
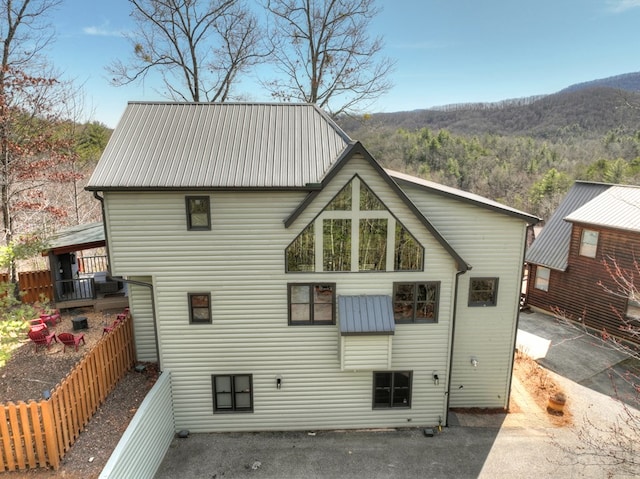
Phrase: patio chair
(38, 325)
(51, 318)
(39, 338)
(108, 329)
(69, 339)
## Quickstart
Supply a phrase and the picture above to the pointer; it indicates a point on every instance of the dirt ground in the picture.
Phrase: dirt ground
(28, 374)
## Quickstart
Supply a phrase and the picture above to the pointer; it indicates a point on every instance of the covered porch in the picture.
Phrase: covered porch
(79, 270)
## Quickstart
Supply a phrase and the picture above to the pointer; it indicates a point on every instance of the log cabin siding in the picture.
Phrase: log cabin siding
(241, 263)
(580, 293)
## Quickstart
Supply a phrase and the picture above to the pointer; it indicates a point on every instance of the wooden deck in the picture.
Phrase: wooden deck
(99, 304)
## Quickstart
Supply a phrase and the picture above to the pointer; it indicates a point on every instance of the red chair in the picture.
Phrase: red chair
(51, 318)
(69, 339)
(108, 329)
(38, 324)
(40, 338)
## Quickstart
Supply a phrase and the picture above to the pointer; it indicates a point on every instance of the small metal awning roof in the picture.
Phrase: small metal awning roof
(370, 314)
(77, 238)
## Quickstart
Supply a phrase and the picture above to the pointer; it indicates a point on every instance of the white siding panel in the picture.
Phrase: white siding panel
(366, 353)
(241, 263)
(141, 301)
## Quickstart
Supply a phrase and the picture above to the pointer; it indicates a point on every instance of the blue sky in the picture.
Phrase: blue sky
(447, 51)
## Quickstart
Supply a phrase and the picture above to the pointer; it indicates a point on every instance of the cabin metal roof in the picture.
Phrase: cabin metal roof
(551, 247)
(218, 145)
(618, 207)
(461, 195)
(366, 314)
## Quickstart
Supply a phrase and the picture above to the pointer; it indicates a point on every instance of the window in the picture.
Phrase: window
(542, 278)
(633, 306)
(416, 302)
(483, 292)
(232, 393)
(198, 213)
(355, 232)
(312, 303)
(391, 389)
(199, 307)
(589, 243)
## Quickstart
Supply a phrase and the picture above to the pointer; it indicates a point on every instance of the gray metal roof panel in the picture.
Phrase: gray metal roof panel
(219, 145)
(551, 247)
(366, 314)
(77, 235)
(618, 207)
(462, 195)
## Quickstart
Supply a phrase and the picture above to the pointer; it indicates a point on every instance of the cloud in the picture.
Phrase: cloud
(619, 6)
(101, 31)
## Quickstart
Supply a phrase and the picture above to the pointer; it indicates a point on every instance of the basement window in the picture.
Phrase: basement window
(232, 393)
(392, 389)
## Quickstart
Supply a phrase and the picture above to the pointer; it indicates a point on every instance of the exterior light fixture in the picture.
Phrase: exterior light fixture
(278, 382)
(436, 379)
(474, 362)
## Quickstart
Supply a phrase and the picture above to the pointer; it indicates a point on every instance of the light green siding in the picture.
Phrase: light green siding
(241, 262)
(366, 352)
(493, 244)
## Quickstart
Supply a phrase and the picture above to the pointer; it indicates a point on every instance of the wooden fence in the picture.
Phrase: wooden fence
(39, 434)
(33, 284)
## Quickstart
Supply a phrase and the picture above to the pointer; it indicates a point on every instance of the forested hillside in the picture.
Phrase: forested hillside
(524, 153)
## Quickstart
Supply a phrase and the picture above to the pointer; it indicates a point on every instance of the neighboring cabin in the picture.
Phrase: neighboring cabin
(288, 281)
(595, 227)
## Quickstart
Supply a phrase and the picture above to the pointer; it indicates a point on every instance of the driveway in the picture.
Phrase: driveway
(520, 444)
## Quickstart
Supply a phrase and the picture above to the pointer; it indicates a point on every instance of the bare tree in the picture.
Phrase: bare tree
(199, 47)
(325, 55)
(616, 443)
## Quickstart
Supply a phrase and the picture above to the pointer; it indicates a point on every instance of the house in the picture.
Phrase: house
(596, 227)
(289, 282)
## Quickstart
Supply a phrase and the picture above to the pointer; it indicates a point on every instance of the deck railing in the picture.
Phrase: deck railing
(75, 289)
(92, 264)
(39, 434)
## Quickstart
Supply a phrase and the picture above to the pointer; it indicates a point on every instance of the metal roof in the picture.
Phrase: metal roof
(90, 234)
(366, 314)
(618, 207)
(218, 145)
(551, 248)
(463, 195)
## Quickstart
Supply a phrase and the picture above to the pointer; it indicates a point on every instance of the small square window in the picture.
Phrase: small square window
(542, 278)
(232, 393)
(589, 243)
(392, 389)
(483, 292)
(312, 303)
(200, 307)
(198, 213)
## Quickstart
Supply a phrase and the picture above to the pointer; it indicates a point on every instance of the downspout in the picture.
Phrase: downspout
(130, 281)
(453, 336)
(104, 227)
